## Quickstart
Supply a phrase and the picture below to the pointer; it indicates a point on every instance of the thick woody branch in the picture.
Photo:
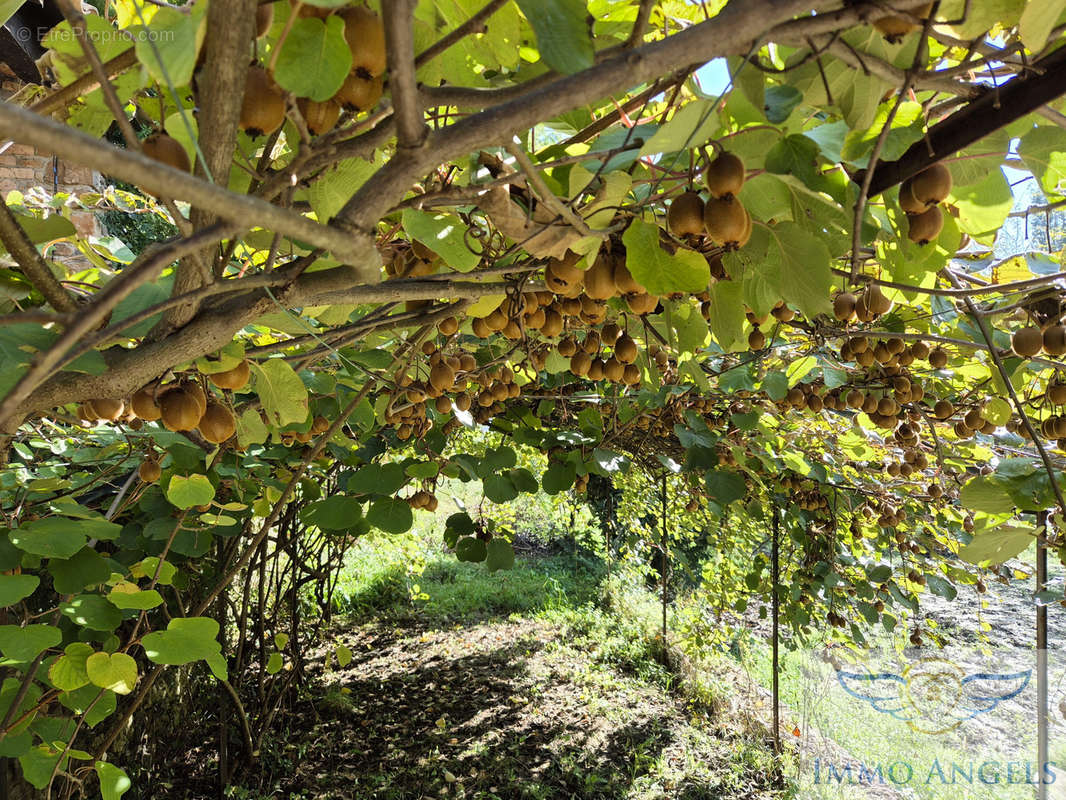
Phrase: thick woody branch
(230, 31)
(988, 113)
(734, 31)
(20, 247)
(85, 84)
(214, 327)
(473, 25)
(145, 269)
(22, 125)
(411, 126)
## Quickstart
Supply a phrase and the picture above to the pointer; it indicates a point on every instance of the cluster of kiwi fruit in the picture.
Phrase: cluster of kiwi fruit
(587, 361)
(722, 218)
(179, 406)
(1032, 339)
(423, 499)
(757, 339)
(864, 306)
(263, 105)
(607, 277)
(919, 197)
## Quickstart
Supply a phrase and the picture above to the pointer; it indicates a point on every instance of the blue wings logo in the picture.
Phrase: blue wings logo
(932, 695)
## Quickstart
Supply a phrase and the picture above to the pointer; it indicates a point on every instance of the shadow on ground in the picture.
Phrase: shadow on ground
(491, 711)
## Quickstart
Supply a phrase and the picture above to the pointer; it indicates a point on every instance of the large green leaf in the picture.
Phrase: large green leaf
(658, 271)
(114, 671)
(445, 235)
(335, 513)
(187, 492)
(283, 394)
(499, 555)
(727, 314)
(84, 568)
(390, 514)
(1037, 21)
(25, 643)
(186, 640)
(17, 587)
(91, 611)
(315, 59)
(168, 48)
(997, 545)
(562, 29)
(113, 781)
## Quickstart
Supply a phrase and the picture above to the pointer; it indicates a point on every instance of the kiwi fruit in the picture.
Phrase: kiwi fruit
(563, 277)
(149, 471)
(920, 350)
(264, 18)
(1028, 341)
(642, 303)
(610, 334)
(166, 150)
(613, 370)
(580, 363)
(876, 300)
(726, 221)
(931, 186)
(597, 369)
(1055, 340)
(625, 349)
(320, 117)
(553, 324)
(143, 404)
(844, 306)
(263, 106)
(360, 93)
(105, 408)
(938, 358)
(599, 278)
(895, 26)
(756, 340)
(480, 329)
(631, 375)
(448, 326)
(907, 201)
(725, 175)
(943, 409)
(319, 424)
(233, 379)
(217, 424)
(365, 35)
(179, 409)
(442, 376)
(1056, 393)
(624, 280)
(925, 227)
(685, 215)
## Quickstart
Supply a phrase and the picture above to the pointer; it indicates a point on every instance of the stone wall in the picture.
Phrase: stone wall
(23, 167)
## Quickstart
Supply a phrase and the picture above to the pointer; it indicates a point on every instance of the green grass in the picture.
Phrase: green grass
(410, 576)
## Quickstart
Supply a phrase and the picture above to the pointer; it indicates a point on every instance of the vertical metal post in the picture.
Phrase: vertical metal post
(662, 547)
(1041, 659)
(775, 568)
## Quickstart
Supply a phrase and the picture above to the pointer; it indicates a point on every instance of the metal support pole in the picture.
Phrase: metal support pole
(1041, 659)
(664, 562)
(775, 568)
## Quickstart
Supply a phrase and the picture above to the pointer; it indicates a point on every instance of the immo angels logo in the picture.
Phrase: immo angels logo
(933, 695)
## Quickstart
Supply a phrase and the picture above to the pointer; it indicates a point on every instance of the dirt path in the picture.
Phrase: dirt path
(512, 709)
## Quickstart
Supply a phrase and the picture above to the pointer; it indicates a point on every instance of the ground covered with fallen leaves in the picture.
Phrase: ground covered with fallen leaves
(502, 709)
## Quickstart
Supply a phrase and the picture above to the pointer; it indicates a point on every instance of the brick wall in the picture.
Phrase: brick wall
(23, 167)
